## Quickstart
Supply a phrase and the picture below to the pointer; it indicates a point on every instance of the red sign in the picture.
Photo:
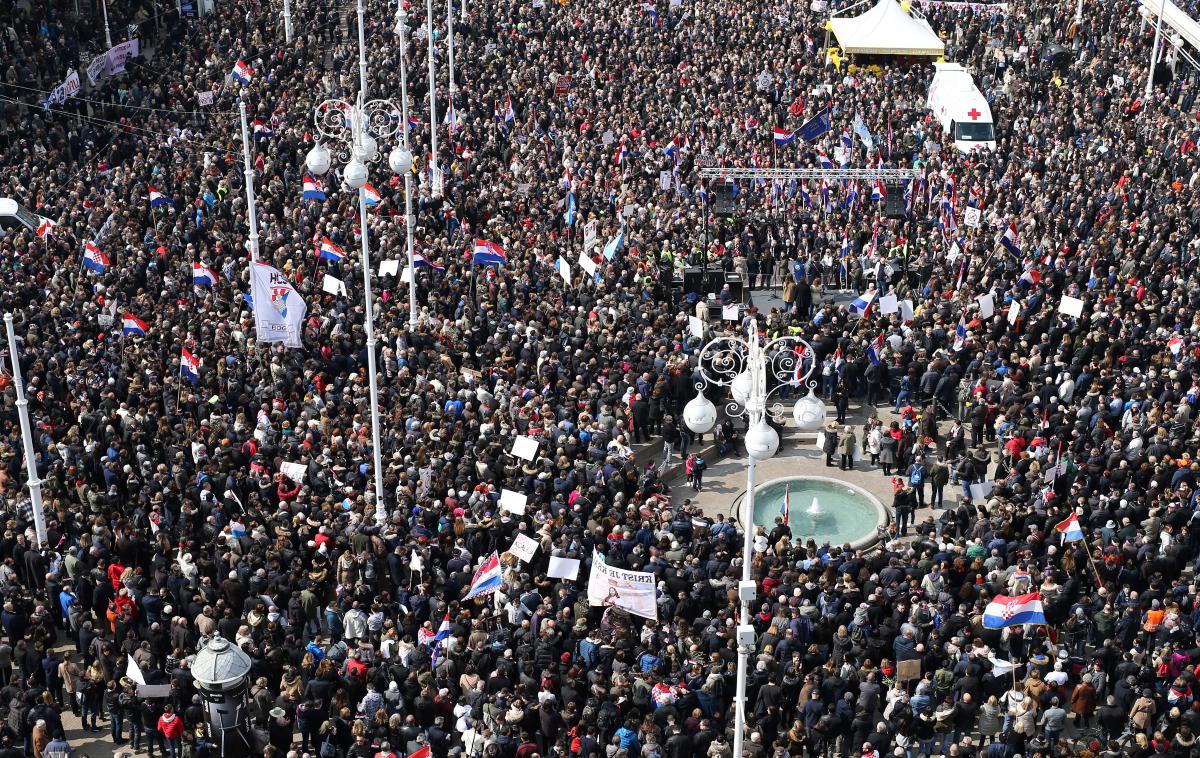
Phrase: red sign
(563, 84)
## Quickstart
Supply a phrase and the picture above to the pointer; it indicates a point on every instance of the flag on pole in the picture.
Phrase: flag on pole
(189, 367)
(861, 304)
(93, 259)
(157, 198)
(1006, 611)
(487, 577)
(241, 73)
(815, 126)
(133, 325)
(329, 251)
(960, 332)
(261, 130)
(488, 253)
(784, 137)
(1070, 529)
(203, 276)
(614, 245)
(1009, 240)
(419, 260)
(509, 113)
(786, 506)
(370, 195)
(442, 633)
(45, 228)
(312, 188)
(875, 350)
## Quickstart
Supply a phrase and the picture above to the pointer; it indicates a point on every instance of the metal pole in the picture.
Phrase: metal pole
(435, 173)
(287, 21)
(743, 661)
(450, 45)
(369, 320)
(35, 484)
(107, 33)
(1079, 12)
(248, 172)
(409, 219)
(1154, 51)
(362, 58)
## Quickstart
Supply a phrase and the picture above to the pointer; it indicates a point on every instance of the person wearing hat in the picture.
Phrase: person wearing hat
(830, 443)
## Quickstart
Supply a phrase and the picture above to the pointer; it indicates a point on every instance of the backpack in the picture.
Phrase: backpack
(327, 749)
(918, 474)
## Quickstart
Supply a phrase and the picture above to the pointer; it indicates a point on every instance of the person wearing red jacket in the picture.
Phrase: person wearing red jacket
(171, 728)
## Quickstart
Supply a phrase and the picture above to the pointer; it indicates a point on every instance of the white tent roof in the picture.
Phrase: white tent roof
(886, 29)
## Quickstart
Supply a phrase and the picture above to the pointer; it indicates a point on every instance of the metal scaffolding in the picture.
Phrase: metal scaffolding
(885, 174)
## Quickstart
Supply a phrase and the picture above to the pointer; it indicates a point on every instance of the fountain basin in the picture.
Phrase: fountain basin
(845, 512)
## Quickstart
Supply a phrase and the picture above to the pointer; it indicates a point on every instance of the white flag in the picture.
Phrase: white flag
(333, 285)
(279, 310)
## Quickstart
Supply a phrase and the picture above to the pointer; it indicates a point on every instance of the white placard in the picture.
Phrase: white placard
(971, 216)
(205, 98)
(889, 304)
(524, 447)
(134, 671)
(729, 312)
(664, 180)
(524, 547)
(333, 285)
(1072, 306)
(607, 138)
(1014, 312)
(406, 275)
(987, 305)
(293, 471)
(820, 440)
(906, 310)
(696, 327)
(513, 502)
(564, 270)
(587, 264)
(389, 267)
(563, 568)
(981, 491)
(589, 235)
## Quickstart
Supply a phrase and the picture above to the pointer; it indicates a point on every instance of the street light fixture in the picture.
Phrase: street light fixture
(351, 127)
(744, 366)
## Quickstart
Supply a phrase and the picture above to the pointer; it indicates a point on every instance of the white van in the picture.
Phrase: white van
(961, 108)
(14, 217)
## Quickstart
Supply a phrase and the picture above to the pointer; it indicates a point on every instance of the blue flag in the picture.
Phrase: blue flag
(815, 126)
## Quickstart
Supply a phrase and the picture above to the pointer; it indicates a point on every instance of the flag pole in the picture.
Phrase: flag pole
(248, 171)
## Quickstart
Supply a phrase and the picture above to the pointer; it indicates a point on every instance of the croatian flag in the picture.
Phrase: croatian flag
(878, 192)
(133, 325)
(786, 506)
(442, 633)
(370, 195)
(45, 227)
(420, 260)
(1031, 277)
(509, 113)
(261, 129)
(488, 253)
(157, 198)
(784, 137)
(960, 332)
(189, 367)
(805, 196)
(413, 123)
(312, 188)
(824, 161)
(1175, 344)
(241, 72)
(1070, 529)
(1006, 611)
(93, 258)
(487, 577)
(329, 251)
(622, 152)
(861, 304)
(1009, 240)
(203, 276)
(875, 350)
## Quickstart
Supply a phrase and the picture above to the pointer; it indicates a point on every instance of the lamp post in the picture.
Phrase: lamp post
(435, 173)
(401, 163)
(744, 366)
(1162, 10)
(352, 126)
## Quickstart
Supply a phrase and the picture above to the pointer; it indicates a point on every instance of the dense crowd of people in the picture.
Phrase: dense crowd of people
(170, 521)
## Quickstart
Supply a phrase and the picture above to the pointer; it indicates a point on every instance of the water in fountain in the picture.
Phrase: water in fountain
(814, 510)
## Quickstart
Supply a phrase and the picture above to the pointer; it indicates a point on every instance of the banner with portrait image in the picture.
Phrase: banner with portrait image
(631, 591)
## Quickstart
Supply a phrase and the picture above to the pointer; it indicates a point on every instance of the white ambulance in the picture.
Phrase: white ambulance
(960, 108)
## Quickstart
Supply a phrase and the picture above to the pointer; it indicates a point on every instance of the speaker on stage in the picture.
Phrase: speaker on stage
(893, 202)
(693, 280)
(735, 285)
(724, 193)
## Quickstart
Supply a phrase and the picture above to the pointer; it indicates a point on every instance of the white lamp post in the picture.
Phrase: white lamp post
(351, 126)
(401, 161)
(744, 366)
(434, 171)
